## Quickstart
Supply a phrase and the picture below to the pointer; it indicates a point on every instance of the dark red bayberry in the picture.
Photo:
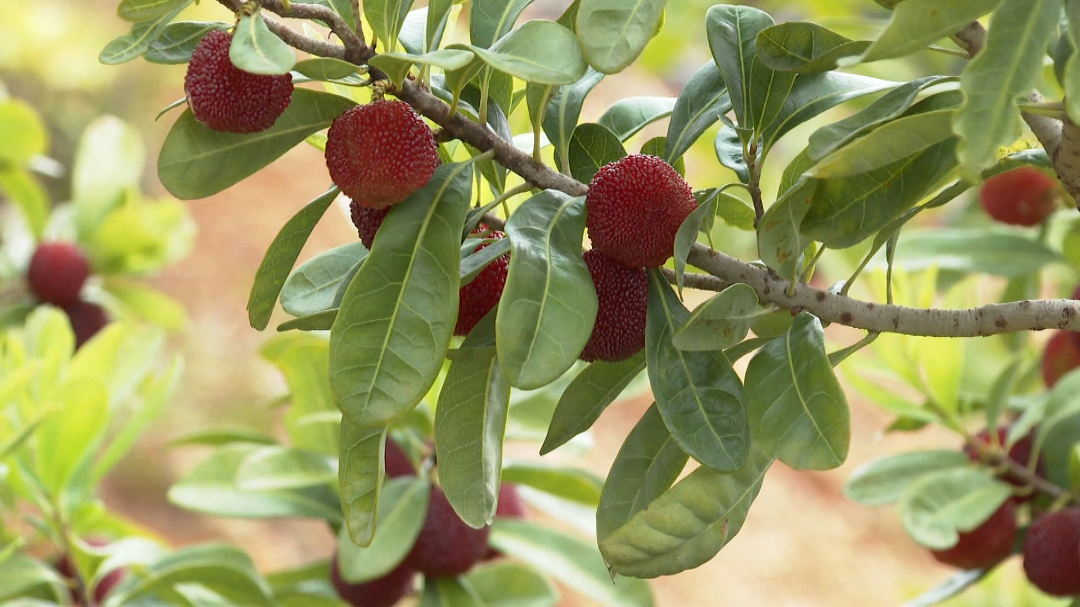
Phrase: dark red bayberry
(1052, 553)
(57, 273)
(86, 320)
(1062, 355)
(623, 294)
(446, 545)
(396, 461)
(382, 592)
(481, 295)
(367, 221)
(1023, 197)
(986, 545)
(101, 590)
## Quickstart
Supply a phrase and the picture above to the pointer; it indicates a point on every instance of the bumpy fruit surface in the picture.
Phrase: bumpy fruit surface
(396, 462)
(1052, 553)
(367, 221)
(446, 545)
(381, 592)
(380, 153)
(481, 295)
(226, 98)
(86, 320)
(986, 545)
(635, 207)
(1019, 453)
(1022, 197)
(623, 293)
(57, 272)
(100, 591)
(1062, 355)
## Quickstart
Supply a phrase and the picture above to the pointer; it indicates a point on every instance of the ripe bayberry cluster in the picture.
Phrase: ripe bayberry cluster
(1022, 197)
(446, 546)
(56, 275)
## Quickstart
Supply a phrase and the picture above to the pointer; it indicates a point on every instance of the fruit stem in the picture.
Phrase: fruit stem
(997, 458)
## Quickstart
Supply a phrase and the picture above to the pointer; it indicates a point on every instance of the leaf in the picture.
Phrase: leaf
(398, 314)
(569, 561)
(563, 112)
(386, 18)
(274, 270)
(325, 68)
(647, 464)
(27, 194)
(397, 65)
(449, 592)
(940, 506)
(573, 484)
(1067, 68)
(490, 20)
(808, 96)
(222, 569)
(475, 263)
(178, 41)
(196, 162)
(804, 48)
(507, 584)
(320, 321)
(688, 524)
(1000, 252)
(614, 32)
(313, 286)
(887, 144)
(699, 106)
(402, 507)
(223, 435)
(147, 10)
(67, 438)
(360, 476)
(541, 52)
(586, 398)
(592, 147)
(470, 422)
(438, 14)
(147, 303)
(780, 239)
(20, 574)
(303, 360)
(25, 135)
(1005, 70)
(733, 32)
(687, 234)
(886, 480)
(109, 161)
(547, 309)
(729, 151)
(951, 587)
(698, 393)
(916, 24)
(721, 322)
(276, 467)
(628, 116)
(257, 50)
(136, 42)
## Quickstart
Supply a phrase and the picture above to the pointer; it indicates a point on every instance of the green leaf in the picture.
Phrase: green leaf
(569, 561)
(729, 151)
(614, 32)
(687, 234)
(916, 24)
(587, 396)
(437, 17)
(210, 488)
(733, 32)
(490, 20)
(139, 238)
(303, 360)
(698, 393)
(402, 508)
(506, 584)
(178, 41)
(257, 50)
(886, 480)
(397, 316)
(591, 147)
(804, 48)
(937, 508)
(223, 435)
(699, 106)
(397, 65)
(109, 161)
(1006, 69)
(20, 574)
(647, 464)
(795, 405)
(721, 322)
(890, 143)
(628, 116)
(780, 239)
(541, 52)
(226, 570)
(688, 524)
(196, 162)
(563, 112)
(274, 467)
(1074, 467)
(325, 68)
(449, 592)
(25, 135)
(360, 475)
(573, 484)
(951, 587)
(475, 263)
(66, 438)
(136, 42)
(147, 10)
(27, 194)
(1068, 70)
(313, 286)
(996, 251)
(274, 270)
(470, 422)
(147, 303)
(548, 306)
(320, 321)
(386, 18)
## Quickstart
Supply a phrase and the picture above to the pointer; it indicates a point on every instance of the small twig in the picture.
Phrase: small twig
(1015, 469)
(755, 183)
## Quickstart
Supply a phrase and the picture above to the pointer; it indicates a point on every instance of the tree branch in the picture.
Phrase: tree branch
(352, 51)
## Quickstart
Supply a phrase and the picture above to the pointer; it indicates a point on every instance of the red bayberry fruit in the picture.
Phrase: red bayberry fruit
(86, 320)
(1052, 553)
(1020, 197)
(986, 545)
(380, 153)
(57, 272)
(367, 221)
(101, 590)
(1020, 453)
(510, 506)
(226, 98)
(381, 592)
(481, 295)
(635, 207)
(446, 545)
(396, 462)
(1061, 356)
(623, 293)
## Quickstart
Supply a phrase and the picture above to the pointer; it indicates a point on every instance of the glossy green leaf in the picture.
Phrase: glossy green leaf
(325, 68)
(886, 480)
(472, 265)
(548, 306)
(399, 311)
(275, 467)
(808, 96)
(569, 561)
(796, 407)
(995, 251)
(780, 239)
(699, 106)
(687, 236)
(628, 116)
(257, 50)
(109, 161)
(313, 286)
(688, 524)
(890, 143)
(614, 32)
(303, 360)
(490, 20)
(25, 134)
(196, 162)
(147, 10)
(225, 570)
(940, 506)
(20, 574)
(402, 508)
(223, 435)
(178, 41)
(563, 112)
(733, 32)
(587, 396)
(386, 18)
(274, 270)
(573, 484)
(804, 48)
(591, 147)
(647, 464)
(698, 393)
(721, 322)
(1006, 69)
(729, 151)
(916, 24)
(320, 321)
(69, 436)
(656, 147)
(360, 476)
(449, 592)
(507, 584)
(397, 65)
(438, 14)
(541, 52)
(136, 42)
